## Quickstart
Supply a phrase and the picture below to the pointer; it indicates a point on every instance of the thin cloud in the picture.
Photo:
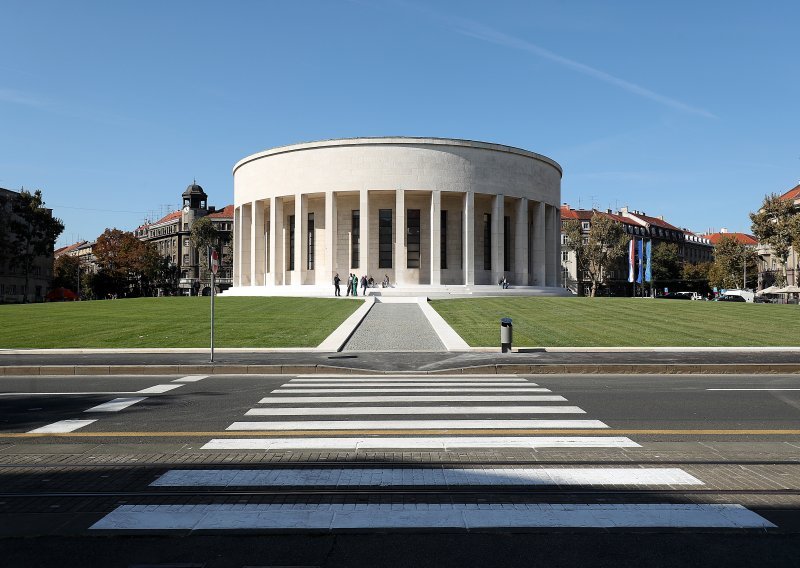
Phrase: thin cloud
(481, 32)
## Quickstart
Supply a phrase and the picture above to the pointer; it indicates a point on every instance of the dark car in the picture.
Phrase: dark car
(731, 299)
(676, 296)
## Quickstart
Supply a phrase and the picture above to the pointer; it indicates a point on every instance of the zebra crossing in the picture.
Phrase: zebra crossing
(424, 414)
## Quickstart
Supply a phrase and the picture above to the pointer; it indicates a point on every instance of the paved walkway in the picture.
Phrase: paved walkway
(394, 327)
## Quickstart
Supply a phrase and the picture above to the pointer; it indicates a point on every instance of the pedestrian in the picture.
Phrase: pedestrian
(349, 284)
(355, 285)
(336, 281)
(364, 285)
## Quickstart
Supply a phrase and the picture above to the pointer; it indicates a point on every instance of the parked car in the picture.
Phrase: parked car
(676, 296)
(727, 298)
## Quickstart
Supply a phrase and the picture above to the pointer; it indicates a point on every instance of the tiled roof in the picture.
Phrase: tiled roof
(656, 221)
(68, 248)
(224, 213)
(167, 218)
(742, 238)
(792, 194)
(581, 214)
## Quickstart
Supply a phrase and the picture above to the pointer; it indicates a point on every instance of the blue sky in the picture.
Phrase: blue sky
(684, 109)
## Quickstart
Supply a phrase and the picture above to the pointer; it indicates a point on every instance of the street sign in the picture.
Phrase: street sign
(214, 261)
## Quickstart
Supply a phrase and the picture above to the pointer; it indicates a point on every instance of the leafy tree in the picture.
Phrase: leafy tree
(604, 245)
(204, 235)
(666, 265)
(730, 257)
(32, 231)
(777, 225)
(696, 275)
(126, 265)
(66, 271)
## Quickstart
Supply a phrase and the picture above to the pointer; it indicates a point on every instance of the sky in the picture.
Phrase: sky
(685, 109)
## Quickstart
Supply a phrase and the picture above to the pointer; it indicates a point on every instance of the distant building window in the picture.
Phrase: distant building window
(413, 239)
(384, 238)
(585, 225)
(186, 259)
(355, 232)
(565, 256)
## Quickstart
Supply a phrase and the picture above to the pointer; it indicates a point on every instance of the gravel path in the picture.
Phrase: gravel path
(394, 327)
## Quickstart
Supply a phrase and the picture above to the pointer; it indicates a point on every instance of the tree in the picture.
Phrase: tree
(730, 257)
(204, 235)
(696, 275)
(776, 224)
(32, 232)
(596, 253)
(126, 265)
(666, 264)
(66, 271)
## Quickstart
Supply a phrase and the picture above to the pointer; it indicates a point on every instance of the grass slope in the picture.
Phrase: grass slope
(173, 322)
(623, 322)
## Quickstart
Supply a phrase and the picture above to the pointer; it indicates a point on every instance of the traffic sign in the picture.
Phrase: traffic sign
(214, 261)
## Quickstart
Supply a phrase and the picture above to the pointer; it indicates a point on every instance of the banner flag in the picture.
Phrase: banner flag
(631, 259)
(648, 272)
(641, 261)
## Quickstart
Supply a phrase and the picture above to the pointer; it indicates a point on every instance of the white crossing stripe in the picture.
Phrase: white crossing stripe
(117, 404)
(761, 389)
(403, 384)
(378, 410)
(158, 389)
(409, 376)
(412, 424)
(390, 398)
(333, 516)
(62, 426)
(391, 477)
(190, 379)
(349, 379)
(442, 443)
(380, 390)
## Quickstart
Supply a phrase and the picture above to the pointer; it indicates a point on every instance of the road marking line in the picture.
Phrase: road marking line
(393, 477)
(378, 410)
(416, 424)
(408, 379)
(116, 405)
(408, 376)
(404, 384)
(764, 389)
(190, 379)
(380, 390)
(66, 393)
(465, 398)
(333, 516)
(62, 426)
(158, 389)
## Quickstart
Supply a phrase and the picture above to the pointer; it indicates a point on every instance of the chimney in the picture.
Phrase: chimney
(723, 230)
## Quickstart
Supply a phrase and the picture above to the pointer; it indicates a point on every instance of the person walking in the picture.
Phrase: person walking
(355, 285)
(336, 281)
(349, 284)
(364, 285)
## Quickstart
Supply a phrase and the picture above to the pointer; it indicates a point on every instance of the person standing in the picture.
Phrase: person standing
(364, 285)
(349, 284)
(355, 285)
(336, 281)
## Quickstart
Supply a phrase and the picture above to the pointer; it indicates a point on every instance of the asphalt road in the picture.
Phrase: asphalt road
(67, 497)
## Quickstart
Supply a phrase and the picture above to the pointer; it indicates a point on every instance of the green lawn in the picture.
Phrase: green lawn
(623, 322)
(173, 322)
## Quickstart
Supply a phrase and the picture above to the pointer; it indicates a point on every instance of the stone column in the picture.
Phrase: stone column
(245, 248)
(551, 276)
(468, 236)
(276, 266)
(257, 246)
(436, 237)
(297, 273)
(331, 230)
(400, 237)
(498, 211)
(538, 252)
(237, 246)
(521, 243)
(363, 244)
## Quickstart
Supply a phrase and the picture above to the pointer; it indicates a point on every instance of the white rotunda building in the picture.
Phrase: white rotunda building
(418, 211)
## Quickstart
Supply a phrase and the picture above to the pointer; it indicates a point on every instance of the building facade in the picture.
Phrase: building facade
(770, 269)
(420, 211)
(171, 236)
(12, 274)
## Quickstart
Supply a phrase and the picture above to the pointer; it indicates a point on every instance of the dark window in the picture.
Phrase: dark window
(291, 242)
(413, 241)
(487, 241)
(384, 238)
(355, 231)
(506, 243)
(443, 241)
(310, 243)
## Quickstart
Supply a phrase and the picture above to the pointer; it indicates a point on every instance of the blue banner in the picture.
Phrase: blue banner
(648, 273)
(641, 264)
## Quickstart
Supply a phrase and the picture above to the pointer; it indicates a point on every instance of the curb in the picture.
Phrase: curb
(500, 368)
